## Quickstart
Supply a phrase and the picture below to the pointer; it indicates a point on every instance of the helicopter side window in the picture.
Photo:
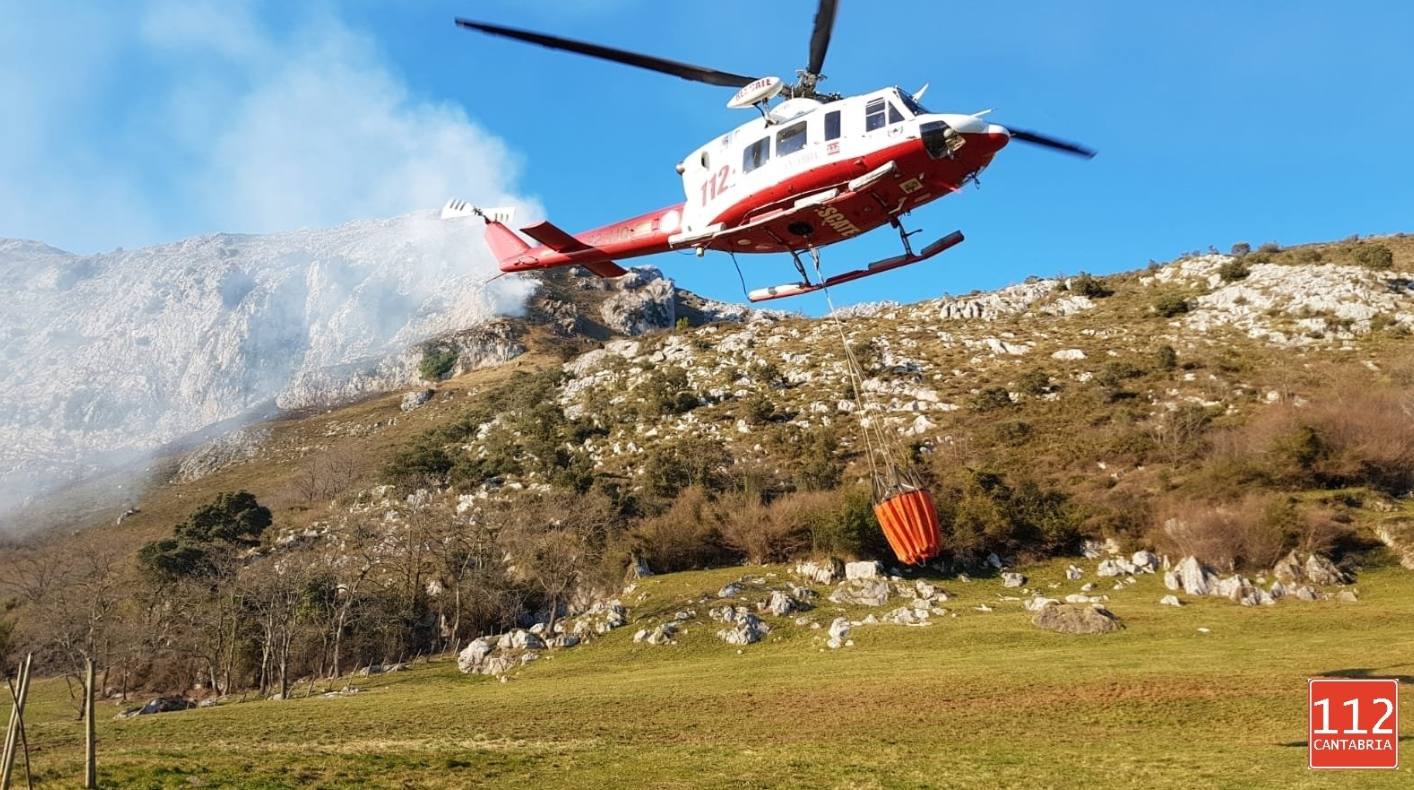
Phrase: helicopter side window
(790, 139)
(874, 115)
(756, 154)
(832, 125)
(894, 115)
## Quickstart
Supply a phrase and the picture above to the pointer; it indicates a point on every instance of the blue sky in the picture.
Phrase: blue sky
(1215, 121)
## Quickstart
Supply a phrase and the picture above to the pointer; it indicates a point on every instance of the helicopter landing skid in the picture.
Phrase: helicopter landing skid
(877, 267)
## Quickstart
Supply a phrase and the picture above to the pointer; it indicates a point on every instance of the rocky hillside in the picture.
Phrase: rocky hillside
(107, 358)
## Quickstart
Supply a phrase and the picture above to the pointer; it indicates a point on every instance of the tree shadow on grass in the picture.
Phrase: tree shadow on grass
(1370, 672)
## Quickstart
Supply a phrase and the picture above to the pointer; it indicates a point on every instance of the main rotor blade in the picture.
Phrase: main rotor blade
(820, 38)
(685, 70)
(1051, 142)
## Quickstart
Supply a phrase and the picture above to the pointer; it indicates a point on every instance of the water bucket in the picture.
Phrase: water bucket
(910, 524)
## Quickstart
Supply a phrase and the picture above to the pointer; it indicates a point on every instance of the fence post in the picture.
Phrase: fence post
(90, 751)
(7, 762)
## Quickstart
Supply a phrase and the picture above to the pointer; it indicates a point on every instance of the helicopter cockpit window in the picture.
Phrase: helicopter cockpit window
(706, 162)
(756, 154)
(874, 115)
(894, 115)
(790, 139)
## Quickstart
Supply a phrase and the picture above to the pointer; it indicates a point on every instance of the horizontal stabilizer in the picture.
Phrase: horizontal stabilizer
(553, 237)
(606, 269)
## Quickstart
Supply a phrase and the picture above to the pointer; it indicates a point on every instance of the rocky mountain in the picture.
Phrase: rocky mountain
(105, 358)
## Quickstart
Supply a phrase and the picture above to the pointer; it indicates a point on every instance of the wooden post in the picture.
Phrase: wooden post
(7, 762)
(90, 751)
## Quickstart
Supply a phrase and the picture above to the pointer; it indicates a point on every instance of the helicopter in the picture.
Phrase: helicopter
(810, 170)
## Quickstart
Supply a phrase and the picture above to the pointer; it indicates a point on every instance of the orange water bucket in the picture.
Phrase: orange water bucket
(910, 524)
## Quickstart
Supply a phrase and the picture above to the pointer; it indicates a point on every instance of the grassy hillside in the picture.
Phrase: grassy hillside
(982, 699)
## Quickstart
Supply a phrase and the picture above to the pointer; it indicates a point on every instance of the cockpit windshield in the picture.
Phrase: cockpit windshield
(913, 106)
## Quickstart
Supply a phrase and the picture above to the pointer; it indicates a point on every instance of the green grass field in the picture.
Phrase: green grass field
(983, 699)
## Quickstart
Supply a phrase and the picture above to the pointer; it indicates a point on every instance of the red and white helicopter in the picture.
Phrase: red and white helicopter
(811, 170)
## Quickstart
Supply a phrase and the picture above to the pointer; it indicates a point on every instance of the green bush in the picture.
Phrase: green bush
(1116, 372)
(982, 513)
(673, 466)
(849, 528)
(665, 392)
(1086, 285)
(1233, 271)
(1241, 248)
(1165, 358)
(1374, 256)
(991, 399)
(1013, 433)
(1171, 304)
(437, 361)
(1034, 382)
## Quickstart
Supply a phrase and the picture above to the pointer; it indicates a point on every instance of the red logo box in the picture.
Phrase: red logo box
(1353, 723)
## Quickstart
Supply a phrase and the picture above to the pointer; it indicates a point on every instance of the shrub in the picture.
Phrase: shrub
(1171, 304)
(818, 469)
(425, 461)
(766, 533)
(665, 392)
(982, 513)
(1269, 247)
(682, 538)
(1165, 358)
(682, 324)
(1252, 533)
(991, 399)
(1374, 256)
(1013, 433)
(673, 466)
(1086, 285)
(1115, 373)
(1233, 270)
(842, 523)
(1241, 248)
(437, 361)
(1034, 382)
(759, 408)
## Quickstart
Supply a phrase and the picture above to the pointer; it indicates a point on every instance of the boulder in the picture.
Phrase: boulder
(1193, 577)
(1115, 566)
(520, 639)
(1288, 569)
(1072, 619)
(412, 400)
(924, 590)
(1320, 570)
(1145, 561)
(471, 658)
(1347, 596)
(1074, 573)
(839, 632)
(820, 571)
(746, 629)
(863, 570)
(1013, 579)
(907, 615)
(780, 604)
(1038, 602)
(165, 705)
(729, 590)
(861, 592)
(1304, 593)
(562, 641)
(1080, 598)
(1170, 600)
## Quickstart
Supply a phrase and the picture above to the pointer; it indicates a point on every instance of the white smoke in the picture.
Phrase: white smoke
(234, 128)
